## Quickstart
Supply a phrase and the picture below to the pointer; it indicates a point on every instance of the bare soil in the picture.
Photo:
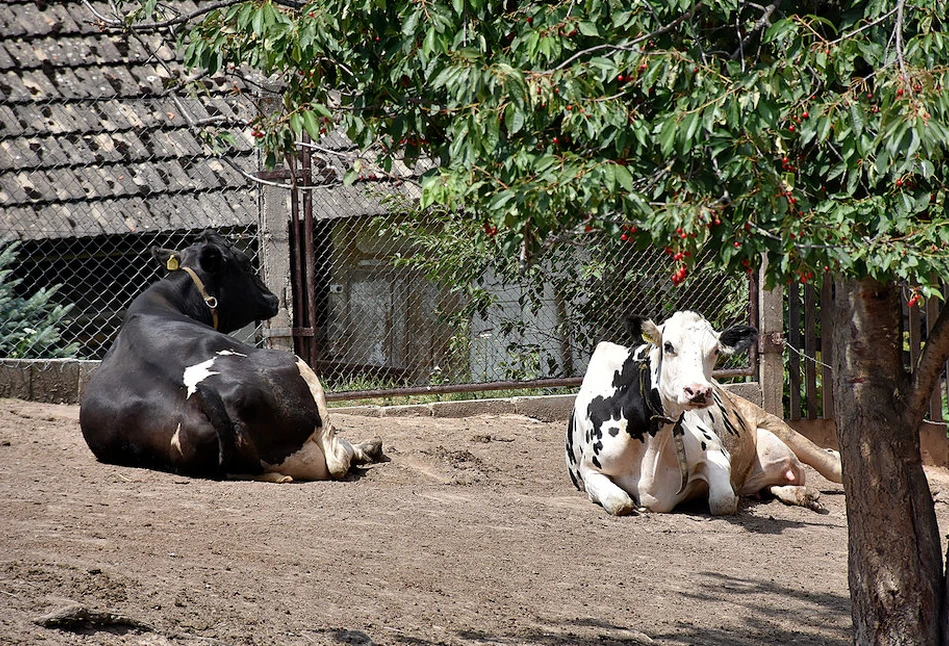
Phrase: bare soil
(471, 534)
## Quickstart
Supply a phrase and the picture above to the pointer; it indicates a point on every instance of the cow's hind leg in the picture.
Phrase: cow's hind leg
(341, 454)
(780, 473)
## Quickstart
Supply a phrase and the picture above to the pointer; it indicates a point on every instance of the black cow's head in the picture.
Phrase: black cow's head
(231, 289)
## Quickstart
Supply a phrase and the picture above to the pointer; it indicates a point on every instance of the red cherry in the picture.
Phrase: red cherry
(804, 115)
(737, 244)
(914, 299)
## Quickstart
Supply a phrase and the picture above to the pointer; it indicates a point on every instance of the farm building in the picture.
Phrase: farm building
(102, 156)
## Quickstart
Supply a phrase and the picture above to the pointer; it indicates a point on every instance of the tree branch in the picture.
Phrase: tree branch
(762, 22)
(929, 368)
(868, 25)
(117, 22)
(631, 45)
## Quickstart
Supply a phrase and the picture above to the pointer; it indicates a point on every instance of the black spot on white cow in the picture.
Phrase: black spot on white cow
(176, 393)
(651, 429)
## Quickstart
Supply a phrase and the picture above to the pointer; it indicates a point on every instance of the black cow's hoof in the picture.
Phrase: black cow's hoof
(373, 451)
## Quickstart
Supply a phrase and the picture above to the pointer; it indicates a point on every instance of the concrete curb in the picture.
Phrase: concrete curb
(547, 408)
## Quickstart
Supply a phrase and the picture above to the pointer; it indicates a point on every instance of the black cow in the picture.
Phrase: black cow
(176, 393)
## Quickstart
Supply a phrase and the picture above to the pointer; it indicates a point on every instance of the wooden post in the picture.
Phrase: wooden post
(770, 345)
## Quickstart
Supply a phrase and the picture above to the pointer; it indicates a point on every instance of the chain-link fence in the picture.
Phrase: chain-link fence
(428, 303)
(99, 160)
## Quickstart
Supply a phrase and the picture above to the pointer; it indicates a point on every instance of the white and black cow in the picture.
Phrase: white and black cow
(651, 429)
(176, 393)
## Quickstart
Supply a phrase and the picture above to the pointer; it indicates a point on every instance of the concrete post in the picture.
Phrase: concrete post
(274, 228)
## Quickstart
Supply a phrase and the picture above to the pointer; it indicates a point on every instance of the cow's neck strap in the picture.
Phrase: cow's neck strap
(679, 441)
(209, 300)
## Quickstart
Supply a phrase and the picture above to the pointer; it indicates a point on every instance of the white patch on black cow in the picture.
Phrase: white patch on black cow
(176, 440)
(197, 373)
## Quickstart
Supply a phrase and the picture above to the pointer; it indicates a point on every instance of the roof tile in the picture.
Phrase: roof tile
(87, 131)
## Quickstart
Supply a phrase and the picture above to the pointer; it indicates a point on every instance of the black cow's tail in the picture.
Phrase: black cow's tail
(236, 453)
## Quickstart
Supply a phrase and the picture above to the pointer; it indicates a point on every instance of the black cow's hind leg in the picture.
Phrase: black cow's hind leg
(235, 453)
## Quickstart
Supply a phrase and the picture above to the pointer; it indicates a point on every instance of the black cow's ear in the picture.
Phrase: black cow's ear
(210, 259)
(737, 338)
(168, 258)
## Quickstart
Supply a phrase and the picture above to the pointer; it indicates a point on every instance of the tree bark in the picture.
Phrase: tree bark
(895, 559)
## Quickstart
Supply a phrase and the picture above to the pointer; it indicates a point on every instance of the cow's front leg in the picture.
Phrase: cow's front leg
(722, 499)
(604, 492)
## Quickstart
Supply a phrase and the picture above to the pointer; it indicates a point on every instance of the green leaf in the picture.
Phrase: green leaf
(588, 29)
(311, 124)
(513, 119)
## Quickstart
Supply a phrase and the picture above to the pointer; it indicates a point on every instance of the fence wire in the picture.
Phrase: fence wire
(100, 160)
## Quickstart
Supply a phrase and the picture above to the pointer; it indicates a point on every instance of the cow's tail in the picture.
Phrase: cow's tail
(573, 466)
(825, 461)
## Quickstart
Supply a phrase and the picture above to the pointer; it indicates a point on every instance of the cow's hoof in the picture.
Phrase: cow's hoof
(799, 496)
(623, 508)
(372, 450)
(276, 478)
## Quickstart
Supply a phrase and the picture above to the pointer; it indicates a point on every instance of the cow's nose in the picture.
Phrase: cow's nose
(698, 394)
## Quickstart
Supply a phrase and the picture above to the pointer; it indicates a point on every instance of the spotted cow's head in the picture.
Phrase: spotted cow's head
(683, 351)
(227, 279)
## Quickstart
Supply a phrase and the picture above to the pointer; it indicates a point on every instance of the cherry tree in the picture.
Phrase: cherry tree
(810, 134)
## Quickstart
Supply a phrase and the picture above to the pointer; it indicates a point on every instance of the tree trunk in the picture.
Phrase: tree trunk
(895, 562)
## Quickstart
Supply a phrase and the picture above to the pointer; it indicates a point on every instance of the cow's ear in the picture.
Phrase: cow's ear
(210, 259)
(651, 333)
(168, 258)
(737, 338)
(640, 327)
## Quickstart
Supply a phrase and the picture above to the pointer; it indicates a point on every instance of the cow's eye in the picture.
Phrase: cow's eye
(669, 348)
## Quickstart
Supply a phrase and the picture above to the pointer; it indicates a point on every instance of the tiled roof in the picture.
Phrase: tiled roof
(91, 143)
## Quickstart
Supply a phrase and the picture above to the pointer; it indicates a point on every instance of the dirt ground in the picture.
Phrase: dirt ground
(471, 534)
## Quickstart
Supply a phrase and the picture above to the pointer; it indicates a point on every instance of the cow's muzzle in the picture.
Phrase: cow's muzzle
(698, 395)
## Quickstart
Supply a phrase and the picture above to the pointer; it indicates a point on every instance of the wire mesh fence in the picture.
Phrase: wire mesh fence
(422, 302)
(101, 158)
